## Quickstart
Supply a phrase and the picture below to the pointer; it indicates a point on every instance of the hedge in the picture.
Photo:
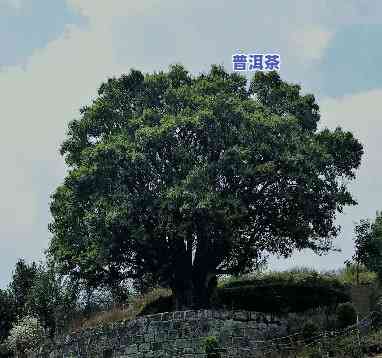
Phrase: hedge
(272, 293)
(283, 292)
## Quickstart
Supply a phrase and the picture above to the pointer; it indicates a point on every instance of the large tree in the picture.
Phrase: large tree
(179, 178)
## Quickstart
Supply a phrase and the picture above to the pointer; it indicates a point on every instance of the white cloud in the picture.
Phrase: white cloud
(37, 103)
(309, 44)
(102, 13)
(16, 4)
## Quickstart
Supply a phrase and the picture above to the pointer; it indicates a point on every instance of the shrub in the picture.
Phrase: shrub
(310, 352)
(275, 292)
(310, 330)
(346, 314)
(376, 315)
(211, 347)
(278, 292)
(25, 335)
(372, 344)
(297, 320)
(346, 347)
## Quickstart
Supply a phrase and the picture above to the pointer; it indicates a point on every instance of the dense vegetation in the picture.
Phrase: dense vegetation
(274, 292)
(179, 188)
(175, 179)
(283, 292)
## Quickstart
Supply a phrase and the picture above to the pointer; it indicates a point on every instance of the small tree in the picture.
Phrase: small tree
(21, 283)
(362, 237)
(27, 334)
(44, 298)
(374, 248)
(368, 246)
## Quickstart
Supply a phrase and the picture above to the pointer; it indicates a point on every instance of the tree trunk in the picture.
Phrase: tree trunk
(183, 296)
(195, 294)
(193, 276)
(200, 290)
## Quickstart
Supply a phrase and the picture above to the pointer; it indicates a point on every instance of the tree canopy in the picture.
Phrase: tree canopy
(176, 178)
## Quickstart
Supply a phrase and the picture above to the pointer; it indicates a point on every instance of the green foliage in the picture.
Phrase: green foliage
(211, 345)
(356, 274)
(310, 330)
(376, 319)
(376, 315)
(349, 346)
(346, 314)
(36, 291)
(368, 244)
(346, 347)
(301, 276)
(167, 166)
(21, 283)
(7, 313)
(278, 292)
(310, 352)
(44, 298)
(372, 343)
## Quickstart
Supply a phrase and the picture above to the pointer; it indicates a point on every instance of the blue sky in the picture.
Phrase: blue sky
(352, 61)
(29, 25)
(55, 54)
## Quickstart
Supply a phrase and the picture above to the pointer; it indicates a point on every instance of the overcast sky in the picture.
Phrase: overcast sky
(56, 53)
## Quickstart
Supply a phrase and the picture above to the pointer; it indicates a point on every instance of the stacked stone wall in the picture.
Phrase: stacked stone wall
(171, 334)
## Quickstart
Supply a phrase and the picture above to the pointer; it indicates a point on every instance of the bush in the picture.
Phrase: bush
(282, 292)
(319, 316)
(346, 347)
(372, 344)
(277, 292)
(310, 352)
(211, 347)
(310, 330)
(346, 314)
(25, 335)
(376, 315)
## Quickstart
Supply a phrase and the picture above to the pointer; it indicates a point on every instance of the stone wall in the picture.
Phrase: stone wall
(174, 334)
